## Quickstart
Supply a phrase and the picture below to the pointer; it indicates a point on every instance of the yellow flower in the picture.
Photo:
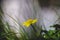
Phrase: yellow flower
(29, 22)
(34, 21)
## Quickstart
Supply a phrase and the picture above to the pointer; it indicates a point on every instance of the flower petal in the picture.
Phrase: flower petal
(34, 21)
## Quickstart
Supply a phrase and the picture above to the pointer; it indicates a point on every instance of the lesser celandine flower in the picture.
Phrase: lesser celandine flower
(29, 22)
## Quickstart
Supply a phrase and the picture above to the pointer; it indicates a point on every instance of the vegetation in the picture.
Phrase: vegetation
(36, 34)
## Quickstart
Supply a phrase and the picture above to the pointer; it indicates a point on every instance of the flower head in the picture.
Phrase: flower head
(29, 22)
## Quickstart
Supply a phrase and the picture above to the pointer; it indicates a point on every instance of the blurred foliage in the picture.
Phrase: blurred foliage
(1, 26)
(36, 34)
